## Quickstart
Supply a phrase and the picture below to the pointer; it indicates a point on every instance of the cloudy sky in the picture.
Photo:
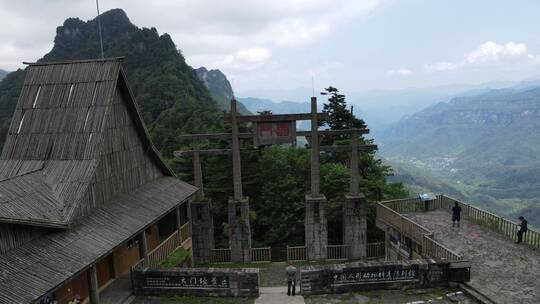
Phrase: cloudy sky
(284, 44)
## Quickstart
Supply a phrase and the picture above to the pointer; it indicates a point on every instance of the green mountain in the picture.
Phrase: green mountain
(220, 88)
(3, 74)
(171, 97)
(486, 146)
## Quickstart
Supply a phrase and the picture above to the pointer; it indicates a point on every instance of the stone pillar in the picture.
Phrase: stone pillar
(93, 285)
(355, 225)
(239, 231)
(354, 210)
(316, 228)
(238, 206)
(202, 233)
(143, 246)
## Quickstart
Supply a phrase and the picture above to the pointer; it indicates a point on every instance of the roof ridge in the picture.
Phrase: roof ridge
(74, 61)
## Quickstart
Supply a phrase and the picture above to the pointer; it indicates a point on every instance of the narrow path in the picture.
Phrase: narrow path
(502, 270)
(277, 295)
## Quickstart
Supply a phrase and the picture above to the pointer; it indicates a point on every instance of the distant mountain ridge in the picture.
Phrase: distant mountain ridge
(220, 88)
(487, 145)
(3, 74)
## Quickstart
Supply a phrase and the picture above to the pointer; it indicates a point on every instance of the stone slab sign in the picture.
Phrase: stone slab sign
(370, 275)
(206, 282)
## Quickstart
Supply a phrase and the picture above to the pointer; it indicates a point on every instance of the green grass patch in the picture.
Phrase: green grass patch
(175, 258)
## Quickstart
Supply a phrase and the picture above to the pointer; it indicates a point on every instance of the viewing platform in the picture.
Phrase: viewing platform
(501, 270)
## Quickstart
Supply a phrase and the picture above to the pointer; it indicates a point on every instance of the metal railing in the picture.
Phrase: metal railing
(375, 250)
(263, 254)
(337, 252)
(222, 255)
(163, 250)
(418, 233)
(296, 253)
(488, 219)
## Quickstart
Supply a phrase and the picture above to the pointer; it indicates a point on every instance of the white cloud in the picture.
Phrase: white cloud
(400, 72)
(202, 29)
(489, 54)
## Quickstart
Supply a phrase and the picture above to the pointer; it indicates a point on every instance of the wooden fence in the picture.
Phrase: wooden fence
(486, 218)
(220, 255)
(375, 250)
(419, 234)
(296, 253)
(337, 252)
(163, 250)
(263, 254)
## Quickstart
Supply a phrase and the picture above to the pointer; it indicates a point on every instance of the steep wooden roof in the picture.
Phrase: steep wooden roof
(76, 129)
(36, 268)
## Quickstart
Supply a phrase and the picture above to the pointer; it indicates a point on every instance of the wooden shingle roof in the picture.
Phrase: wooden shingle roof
(36, 268)
(60, 133)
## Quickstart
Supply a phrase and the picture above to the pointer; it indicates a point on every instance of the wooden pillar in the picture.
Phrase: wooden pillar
(143, 248)
(386, 244)
(197, 169)
(93, 285)
(315, 166)
(237, 170)
(178, 221)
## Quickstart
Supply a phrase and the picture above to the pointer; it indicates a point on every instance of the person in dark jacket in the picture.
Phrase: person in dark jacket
(456, 214)
(522, 229)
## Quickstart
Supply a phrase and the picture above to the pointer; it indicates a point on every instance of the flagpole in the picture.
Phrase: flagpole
(99, 29)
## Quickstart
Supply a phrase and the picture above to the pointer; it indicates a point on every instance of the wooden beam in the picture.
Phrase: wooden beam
(223, 136)
(334, 132)
(280, 117)
(184, 153)
(347, 148)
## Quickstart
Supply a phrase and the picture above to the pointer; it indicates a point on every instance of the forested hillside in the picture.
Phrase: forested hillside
(220, 88)
(485, 146)
(3, 74)
(171, 97)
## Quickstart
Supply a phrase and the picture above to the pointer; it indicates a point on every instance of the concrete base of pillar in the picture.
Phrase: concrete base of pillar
(355, 225)
(202, 230)
(239, 231)
(316, 228)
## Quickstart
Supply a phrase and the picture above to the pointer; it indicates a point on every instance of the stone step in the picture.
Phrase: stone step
(277, 295)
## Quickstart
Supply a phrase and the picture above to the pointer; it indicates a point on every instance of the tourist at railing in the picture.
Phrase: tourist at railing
(291, 278)
(456, 214)
(522, 229)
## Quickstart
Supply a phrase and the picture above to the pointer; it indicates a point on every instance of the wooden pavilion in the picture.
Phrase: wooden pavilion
(84, 194)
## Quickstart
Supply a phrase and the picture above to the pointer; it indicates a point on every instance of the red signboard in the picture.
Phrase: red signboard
(272, 133)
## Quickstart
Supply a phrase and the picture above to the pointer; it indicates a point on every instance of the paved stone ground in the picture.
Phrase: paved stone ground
(277, 295)
(118, 292)
(415, 296)
(273, 274)
(502, 270)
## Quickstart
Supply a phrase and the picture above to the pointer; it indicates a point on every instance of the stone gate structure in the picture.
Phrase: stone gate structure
(279, 129)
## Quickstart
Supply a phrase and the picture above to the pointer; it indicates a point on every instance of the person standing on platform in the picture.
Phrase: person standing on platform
(522, 229)
(291, 279)
(456, 214)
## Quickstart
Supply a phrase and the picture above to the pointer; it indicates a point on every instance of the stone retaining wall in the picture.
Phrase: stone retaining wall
(207, 282)
(370, 275)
